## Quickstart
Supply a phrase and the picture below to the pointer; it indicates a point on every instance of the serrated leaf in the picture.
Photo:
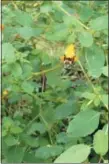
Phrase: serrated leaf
(74, 154)
(80, 125)
(99, 23)
(100, 142)
(8, 52)
(86, 39)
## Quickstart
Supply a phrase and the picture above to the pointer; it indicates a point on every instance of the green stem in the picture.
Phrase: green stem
(87, 28)
(31, 121)
(91, 83)
(45, 71)
(46, 124)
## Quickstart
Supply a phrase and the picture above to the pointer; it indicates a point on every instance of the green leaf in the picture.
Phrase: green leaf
(95, 61)
(100, 23)
(105, 70)
(8, 52)
(100, 142)
(46, 152)
(105, 129)
(88, 95)
(15, 129)
(27, 70)
(80, 125)
(29, 157)
(28, 32)
(10, 140)
(45, 59)
(57, 33)
(86, 39)
(15, 69)
(27, 87)
(29, 140)
(7, 122)
(23, 18)
(74, 154)
(46, 8)
(64, 110)
(53, 75)
(70, 20)
(15, 154)
(36, 127)
(48, 117)
(105, 99)
(85, 13)
(63, 138)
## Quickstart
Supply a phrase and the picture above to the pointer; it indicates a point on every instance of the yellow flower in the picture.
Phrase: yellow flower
(69, 54)
(70, 51)
(5, 92)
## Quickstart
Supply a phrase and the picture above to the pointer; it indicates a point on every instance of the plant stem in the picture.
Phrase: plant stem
(87, 28)
(91, 84)
(45, 71)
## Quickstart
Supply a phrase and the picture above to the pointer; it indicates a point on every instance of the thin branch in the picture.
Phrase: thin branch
(42, 72)
(68, 14)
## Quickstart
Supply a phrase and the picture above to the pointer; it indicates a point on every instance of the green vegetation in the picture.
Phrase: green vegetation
(48, 115)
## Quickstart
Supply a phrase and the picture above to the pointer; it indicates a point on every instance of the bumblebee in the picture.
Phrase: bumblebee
(69, 59)
(70, 55)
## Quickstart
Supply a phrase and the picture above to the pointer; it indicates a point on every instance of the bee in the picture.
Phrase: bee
(70, 55)
(69, 58)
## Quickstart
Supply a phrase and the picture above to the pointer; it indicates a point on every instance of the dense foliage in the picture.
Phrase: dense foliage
(64, 119)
